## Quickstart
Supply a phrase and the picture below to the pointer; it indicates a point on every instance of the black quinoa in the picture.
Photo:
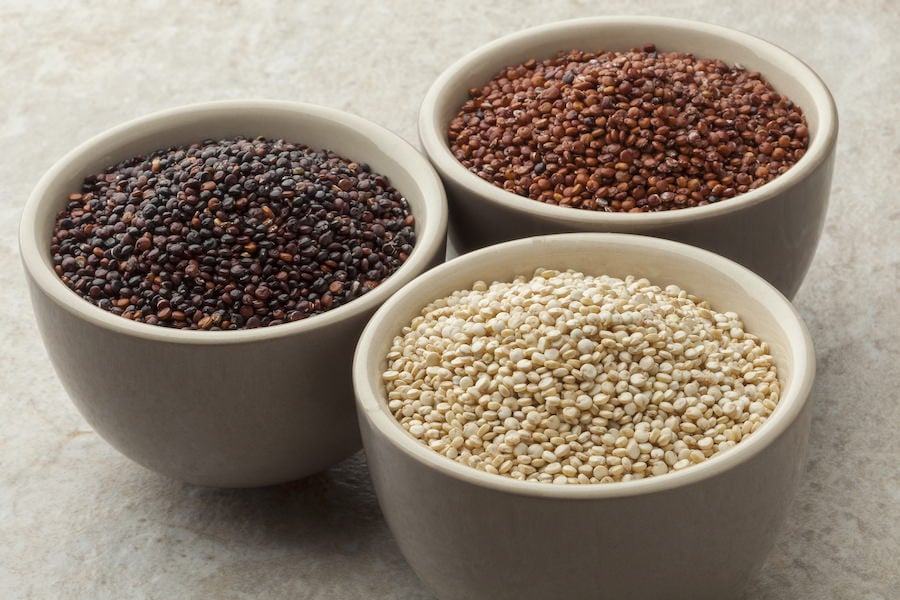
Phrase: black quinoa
(231, 234)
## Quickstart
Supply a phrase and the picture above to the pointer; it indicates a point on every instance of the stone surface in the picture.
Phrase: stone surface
(77, 520)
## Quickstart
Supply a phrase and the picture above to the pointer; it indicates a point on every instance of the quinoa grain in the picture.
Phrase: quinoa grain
(636, 131)
(567, 378)
(230, 234)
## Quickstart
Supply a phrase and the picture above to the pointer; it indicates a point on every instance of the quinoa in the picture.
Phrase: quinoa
(568, 378)
(636, 131)
(231, 234)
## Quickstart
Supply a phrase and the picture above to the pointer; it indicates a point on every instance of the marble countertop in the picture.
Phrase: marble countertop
(78, 520)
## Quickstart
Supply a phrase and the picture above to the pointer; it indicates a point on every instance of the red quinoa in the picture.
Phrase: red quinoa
(636, 131)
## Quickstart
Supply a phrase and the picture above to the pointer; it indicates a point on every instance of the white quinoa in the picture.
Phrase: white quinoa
(569, 378)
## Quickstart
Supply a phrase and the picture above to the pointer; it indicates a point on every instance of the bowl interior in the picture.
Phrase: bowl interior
(315, 126)
(787, 74)
(726, 285)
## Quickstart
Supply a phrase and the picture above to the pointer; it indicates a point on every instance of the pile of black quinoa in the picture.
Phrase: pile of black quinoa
(231, 234)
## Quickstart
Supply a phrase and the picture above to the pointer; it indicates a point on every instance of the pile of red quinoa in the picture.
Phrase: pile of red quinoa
(635, 131)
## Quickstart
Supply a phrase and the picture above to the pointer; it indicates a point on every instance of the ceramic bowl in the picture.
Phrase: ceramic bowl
(221, 408)
(699, 533)
(773, 230)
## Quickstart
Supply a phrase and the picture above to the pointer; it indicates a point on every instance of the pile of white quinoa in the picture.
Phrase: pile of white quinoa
(568, 378)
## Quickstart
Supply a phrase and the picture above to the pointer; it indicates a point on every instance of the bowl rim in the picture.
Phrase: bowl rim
(794, 396)
(432, 133)
(428, 239)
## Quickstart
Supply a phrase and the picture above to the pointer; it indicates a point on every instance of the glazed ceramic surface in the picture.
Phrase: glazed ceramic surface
(229, 408)
(699, 533)
(773, 230)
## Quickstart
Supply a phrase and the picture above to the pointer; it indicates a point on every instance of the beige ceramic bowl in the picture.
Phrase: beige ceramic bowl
(228, 408)
(773, 230)
(694, 534)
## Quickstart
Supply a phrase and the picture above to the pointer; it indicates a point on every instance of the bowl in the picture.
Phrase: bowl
(700, 533)
(221, 408)
(773, 229)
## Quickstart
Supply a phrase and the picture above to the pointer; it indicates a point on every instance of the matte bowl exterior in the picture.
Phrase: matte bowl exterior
(232, 408)
(700, 533)
(773, 230)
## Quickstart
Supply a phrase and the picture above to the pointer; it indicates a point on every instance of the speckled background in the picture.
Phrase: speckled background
(77, 520)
